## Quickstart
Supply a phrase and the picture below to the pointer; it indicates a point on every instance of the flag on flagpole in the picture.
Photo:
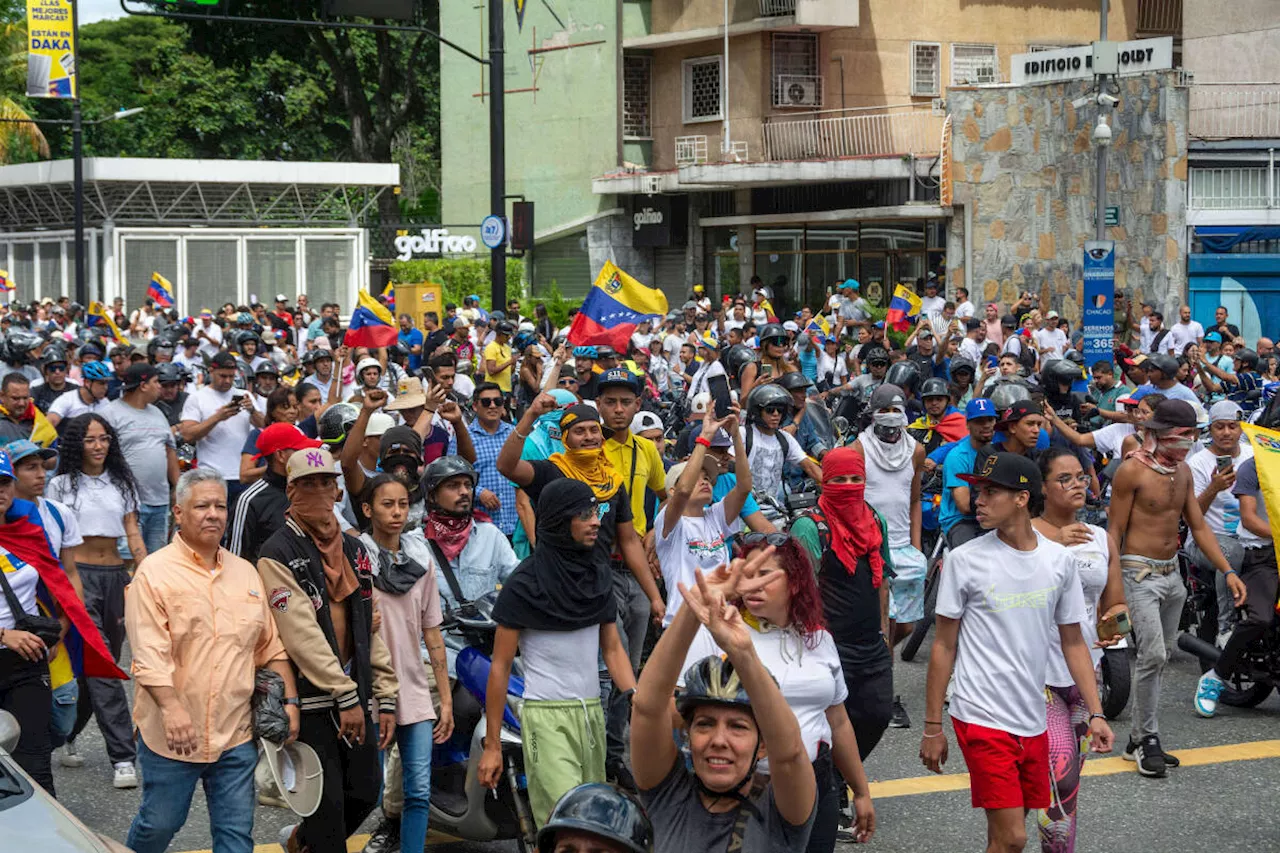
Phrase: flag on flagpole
(614, 306)
(904, 306)
(372, 325)
(6, 283)
(161, 290)
(97, 316)
(389, 295)
(818, 326)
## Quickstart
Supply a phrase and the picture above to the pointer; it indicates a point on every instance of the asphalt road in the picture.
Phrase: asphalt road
(1220, 805)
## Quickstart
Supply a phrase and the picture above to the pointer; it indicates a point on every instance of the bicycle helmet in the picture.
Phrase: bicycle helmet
(445, 468)
(772, 331)
(170, 372)
(1005, 394)
(934, 387)
(96, 371)
(601, 810)
(711, 681)
(336, 421)
(906, 375)
(737, 358)
(794, 381)
(763, 396)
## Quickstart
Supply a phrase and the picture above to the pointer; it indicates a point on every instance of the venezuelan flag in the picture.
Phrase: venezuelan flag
(6, 283)
(161, 290)
(389, 296)
(97, 316)
(904, 305)
(372, 325)
(614, 306)
(818, 326)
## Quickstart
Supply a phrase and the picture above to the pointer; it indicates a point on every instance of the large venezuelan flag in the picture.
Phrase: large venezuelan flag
(97, 316)
(161, 290)
(904, 305)
(372, 325)
(614, 306)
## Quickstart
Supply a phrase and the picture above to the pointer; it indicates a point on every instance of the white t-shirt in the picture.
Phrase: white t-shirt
(561, 664)
(767, 461)
(69, 405)
(99, 505)
(694, 543)
(932, 304)
(1109, 438)
(1012, 345)
(1008, 603)
(965, 310)
(1183, 334)
(24, 579)
(972, 350)
(1092, 561)
(214, 331)
(220, 449)
(1145, 335)
(1166, 345)
(731, 324)
(1223, 515)
(64, 535)
(811, 680)
(671, 345)
(1055, 339)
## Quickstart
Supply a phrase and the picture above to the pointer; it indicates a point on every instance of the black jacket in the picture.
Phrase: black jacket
(258, 513)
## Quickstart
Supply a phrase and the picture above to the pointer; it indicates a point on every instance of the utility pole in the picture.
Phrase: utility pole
(497, 150)
(77, 157)
(1101, 150)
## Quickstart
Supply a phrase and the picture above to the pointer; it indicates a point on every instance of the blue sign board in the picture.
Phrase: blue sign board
(493, 231)
(1097, 319)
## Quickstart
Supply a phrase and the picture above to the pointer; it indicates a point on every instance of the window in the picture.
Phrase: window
(702, 99)
(636, 80)
(212, 275)
(272, 266)
(974, 64)
(926, 69)
(796, 82)
(330, 266)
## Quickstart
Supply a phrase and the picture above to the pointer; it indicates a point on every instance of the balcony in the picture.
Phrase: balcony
(835, 134)
(1235, 111)
(1232, 188)
(1160, 18)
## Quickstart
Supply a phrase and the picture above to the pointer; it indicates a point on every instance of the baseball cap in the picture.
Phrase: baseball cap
(1136, 397)
(505, 328)
(791, 326)
(268, 336)
(461, 322)
(973, 323)
(1008, 471)
(282, 437)
(400, 441)
(1018, 411)
(6, 466)
(1172, 414)
(924, 333)
(1166, 364)
(312, 461)
(710, 340)
(1139, 360)
(280, 297)
(709, 467)
(886, 396)
(1213, 336)
(980, 407)
(1052, 315)
(850, 283)
(1223, 410)
(136, 374)
(24, 447)
(721, 438)
(645, 421)
(606, 352)
(223, 360)
(617, 377)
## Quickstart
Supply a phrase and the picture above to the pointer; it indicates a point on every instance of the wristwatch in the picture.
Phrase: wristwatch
(291, 700)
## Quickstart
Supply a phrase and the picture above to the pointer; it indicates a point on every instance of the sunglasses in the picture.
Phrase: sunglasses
(568, 380)
(589, 513)
(56, 368)
(777, 540)
(773, 410)
(491, 402)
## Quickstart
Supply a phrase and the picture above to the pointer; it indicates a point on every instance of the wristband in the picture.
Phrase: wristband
(1093, 717)
(1231, 572)
(933, 722)
(522, 437)
(703, 440)
(291, 700)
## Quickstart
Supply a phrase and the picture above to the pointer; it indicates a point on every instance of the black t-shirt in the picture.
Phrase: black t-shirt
(588, 390)
(432, 341)
(1232, 330)
(615, 511)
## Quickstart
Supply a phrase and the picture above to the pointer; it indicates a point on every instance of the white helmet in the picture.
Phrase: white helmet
(701, 403)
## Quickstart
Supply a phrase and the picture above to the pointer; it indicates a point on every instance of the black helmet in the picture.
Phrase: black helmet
(935, 387)
(20, 343)
(54, 353)
(168, 371)
(905, 374)
(769, 394)
(770, 331)
(738, 357)
(1246, 357)
(1074, 355)
(601, 810)
(961, 363)
(397, 353)
(1060, 370)
(1005, 394)
(444, 468)
(266, 367)
(875, 353)
(336, 421)
(91, 349)
(248, 336)
(794, 381)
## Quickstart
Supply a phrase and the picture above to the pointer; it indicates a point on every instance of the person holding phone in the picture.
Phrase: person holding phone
(1098, 566)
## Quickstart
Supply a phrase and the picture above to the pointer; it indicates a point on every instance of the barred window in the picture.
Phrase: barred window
(974, 64)
(636, 88)
(702, 89)
(926, 69)
(796, 82)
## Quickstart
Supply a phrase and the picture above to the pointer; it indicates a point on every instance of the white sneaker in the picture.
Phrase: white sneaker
(1221, 641)
(69, 756)
(126, 775)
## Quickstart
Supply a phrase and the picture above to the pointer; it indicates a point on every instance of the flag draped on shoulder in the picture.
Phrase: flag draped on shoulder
(904, 306)
(372, 325)
(614, 306)
(161, 290)
(97, 316)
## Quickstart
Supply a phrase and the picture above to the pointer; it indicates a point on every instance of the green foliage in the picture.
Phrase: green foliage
(460, 277)
(899, 339)
(557, 306)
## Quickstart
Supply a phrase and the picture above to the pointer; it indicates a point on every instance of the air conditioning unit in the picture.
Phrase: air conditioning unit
(802, 93)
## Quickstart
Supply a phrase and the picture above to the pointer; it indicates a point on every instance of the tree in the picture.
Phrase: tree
(19, 139)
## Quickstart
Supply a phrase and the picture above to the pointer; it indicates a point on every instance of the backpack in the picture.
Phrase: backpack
(783, 441)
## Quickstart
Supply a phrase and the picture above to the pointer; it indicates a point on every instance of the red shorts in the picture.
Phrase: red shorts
(1005, 771)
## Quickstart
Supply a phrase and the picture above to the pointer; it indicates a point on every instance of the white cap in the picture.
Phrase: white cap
(526, 326)
(701, 403)
(378, 424)
(461, 322)
(645, 421)
(1052, 315)
(791, 326)
(280, 297)
(1224, 410)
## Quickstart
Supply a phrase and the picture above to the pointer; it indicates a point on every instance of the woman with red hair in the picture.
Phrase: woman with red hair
(780, 605)
(847, 541)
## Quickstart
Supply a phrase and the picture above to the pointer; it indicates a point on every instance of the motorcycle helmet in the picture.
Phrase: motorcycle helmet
(397, 353)
(54, 353)
(960, 363)
(906, 375)
(794, 381)
(601, 810)
(935, 387)
(336, 421)
(772, 332)
(20, 344)
(248, 336)
(1073, 355)
(96, 371)
(737, 358)
(1247, 358)
(90, 351)
(444, 468)
(1005, 394)
(763, 396)
(877, 354)
(267, 367)
(1061, 371)
(170, 372)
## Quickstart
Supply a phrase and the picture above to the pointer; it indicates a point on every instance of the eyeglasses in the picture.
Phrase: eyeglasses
(568, 380)
(773, 410)
(491, 402)
(1066, 481)
(101, 439)
(777, 540)
(589, 513)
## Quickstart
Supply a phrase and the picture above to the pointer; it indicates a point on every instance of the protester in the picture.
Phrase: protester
(262, 508)
(149, 449)
(217, 420)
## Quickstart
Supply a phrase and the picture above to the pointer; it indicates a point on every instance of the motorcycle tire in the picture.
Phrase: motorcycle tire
(1248, 695)
(1114, 682)
(921, 629)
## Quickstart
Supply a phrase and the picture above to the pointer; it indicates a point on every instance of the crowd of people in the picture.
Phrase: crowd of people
(720, 527)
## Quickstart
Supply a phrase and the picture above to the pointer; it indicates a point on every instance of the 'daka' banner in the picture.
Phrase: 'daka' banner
(1266, 455)
(51, 49)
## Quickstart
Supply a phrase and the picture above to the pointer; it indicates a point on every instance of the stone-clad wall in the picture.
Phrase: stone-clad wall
(1024, 160)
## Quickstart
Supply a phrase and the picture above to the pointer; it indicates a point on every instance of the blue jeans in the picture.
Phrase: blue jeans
(167, 786)
(153, 522)
(66, 699)
(416, 747)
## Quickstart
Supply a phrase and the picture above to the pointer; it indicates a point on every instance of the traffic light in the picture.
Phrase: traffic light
(522, 226)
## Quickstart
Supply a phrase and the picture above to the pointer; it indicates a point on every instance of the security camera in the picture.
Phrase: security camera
(1105, 100)
(1081, 103)
(1102, 132)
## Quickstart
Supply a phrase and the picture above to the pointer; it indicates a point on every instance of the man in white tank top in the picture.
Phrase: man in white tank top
(894, 464)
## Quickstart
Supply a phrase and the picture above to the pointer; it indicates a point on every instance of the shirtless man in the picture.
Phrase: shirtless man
(1153, 488)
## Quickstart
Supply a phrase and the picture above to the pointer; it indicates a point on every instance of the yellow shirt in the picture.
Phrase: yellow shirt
(497, 353)
(649, 472)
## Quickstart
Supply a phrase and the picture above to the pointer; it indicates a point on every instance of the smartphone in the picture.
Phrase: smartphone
(766, 370)
(238, 394)
(1224, 463)
(1116, 625)
(719, 388)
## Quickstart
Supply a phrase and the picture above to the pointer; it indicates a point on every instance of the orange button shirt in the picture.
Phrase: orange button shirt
(202, 630)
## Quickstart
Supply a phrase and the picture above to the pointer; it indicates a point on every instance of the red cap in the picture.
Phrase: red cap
(283, 437)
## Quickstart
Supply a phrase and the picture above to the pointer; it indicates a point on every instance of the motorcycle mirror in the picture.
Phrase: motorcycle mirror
(840, 424)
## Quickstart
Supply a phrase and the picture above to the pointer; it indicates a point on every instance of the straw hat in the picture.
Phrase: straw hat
(409, 395)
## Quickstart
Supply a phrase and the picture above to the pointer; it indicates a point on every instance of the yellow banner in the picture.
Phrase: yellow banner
(1266, 455)
(51, 49)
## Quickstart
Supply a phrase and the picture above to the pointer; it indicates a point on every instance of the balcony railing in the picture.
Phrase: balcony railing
(691, 150)
(1160, 17)
(1235, 111)
(777, 8)
(1232, 188)
(853, 133)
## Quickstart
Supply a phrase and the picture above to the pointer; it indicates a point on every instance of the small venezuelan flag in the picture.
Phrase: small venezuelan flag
(161, 290)
(818, 326)
(97, 316)
(389, 296)
(904, 306)
(614, 306)
(372, 325)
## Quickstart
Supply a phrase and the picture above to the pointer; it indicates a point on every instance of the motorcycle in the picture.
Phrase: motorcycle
(460, 805)
(1257, 673)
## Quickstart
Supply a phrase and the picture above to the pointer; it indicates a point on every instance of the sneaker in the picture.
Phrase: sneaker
(126, 775)
(1150, 757)
(1221, 641)
(385, 838)
(1208, 690)
(1131, 750)
(1170, 761)
(69, 756)
(899, 720)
